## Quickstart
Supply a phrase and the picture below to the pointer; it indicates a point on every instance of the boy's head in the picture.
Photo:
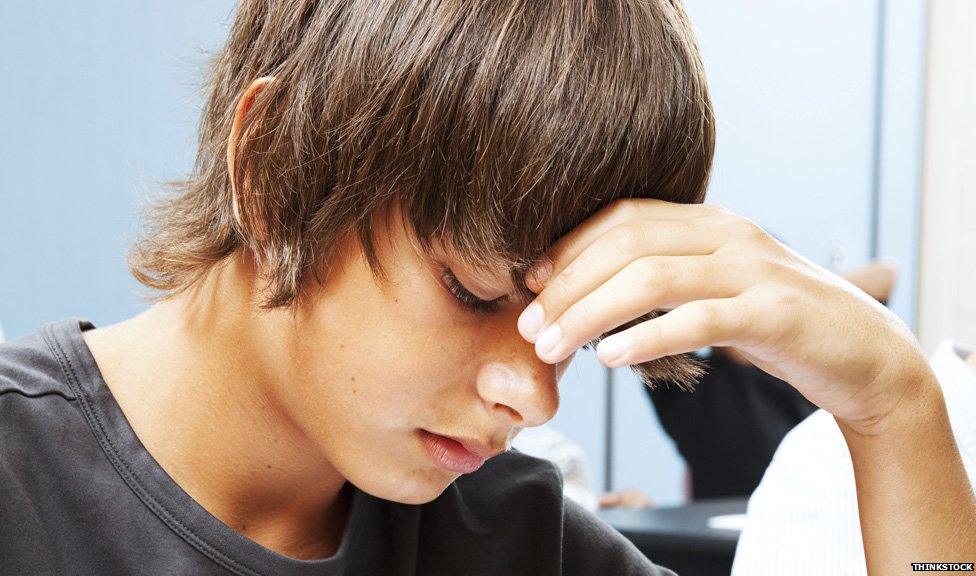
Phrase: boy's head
(495, 127)
(477, 131)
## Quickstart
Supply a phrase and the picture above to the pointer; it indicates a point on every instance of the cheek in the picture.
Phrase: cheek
(394, 357)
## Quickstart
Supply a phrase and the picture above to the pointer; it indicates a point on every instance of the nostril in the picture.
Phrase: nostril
(511, 413)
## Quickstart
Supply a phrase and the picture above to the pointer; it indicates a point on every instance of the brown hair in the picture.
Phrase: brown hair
(495, 126)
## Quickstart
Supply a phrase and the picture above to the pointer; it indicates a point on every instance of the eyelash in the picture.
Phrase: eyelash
(479, 306)
(466, 298)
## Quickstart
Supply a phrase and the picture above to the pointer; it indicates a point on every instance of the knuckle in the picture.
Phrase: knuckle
(575, 320)
(624, 209)
(716, 210)
(560, 289)
(740, 227)
(739, 258)
(706, 317)
(734, 260)
(715, 319)
(624, 239)
(765, 265)
(728, 225)
(652, 274)
(655, 335)
(787, 299)
(751, 231)
(569, 273)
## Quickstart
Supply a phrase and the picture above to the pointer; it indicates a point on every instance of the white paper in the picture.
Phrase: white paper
(728, 522)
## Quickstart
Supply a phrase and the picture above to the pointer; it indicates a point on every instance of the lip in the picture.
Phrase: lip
(460, 455)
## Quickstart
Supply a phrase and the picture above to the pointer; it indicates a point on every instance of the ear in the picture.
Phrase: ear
(256, 225)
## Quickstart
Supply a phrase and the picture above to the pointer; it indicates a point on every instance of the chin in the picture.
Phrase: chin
(418, 486)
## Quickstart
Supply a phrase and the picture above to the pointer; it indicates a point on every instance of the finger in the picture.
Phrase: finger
(609, 254)
(622, 211)
(721, 322)
(646, 284)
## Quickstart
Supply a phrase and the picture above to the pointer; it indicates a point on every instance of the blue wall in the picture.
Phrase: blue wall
(98, 106)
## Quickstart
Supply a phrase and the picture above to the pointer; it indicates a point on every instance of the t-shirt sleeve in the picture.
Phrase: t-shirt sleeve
(591, 546)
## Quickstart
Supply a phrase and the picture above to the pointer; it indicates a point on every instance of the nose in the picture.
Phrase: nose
(521, 390)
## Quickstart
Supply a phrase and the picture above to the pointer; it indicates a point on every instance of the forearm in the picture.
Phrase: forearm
(914, 498)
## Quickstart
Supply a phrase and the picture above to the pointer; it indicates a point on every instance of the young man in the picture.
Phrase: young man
(341, 351)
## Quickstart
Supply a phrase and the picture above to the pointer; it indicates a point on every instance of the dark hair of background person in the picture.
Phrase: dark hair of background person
(728, 429)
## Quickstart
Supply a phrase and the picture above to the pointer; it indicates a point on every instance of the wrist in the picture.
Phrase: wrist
(905, 397)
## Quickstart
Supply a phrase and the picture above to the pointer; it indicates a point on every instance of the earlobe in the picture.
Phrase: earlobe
(253, 223)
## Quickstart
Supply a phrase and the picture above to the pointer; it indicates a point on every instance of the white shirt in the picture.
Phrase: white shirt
(802, 519)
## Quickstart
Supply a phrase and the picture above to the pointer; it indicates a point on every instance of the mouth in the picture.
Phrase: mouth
(459, 455)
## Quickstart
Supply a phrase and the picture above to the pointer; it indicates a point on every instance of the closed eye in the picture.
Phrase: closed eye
(464, 296)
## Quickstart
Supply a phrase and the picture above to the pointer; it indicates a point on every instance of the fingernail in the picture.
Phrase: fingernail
(531, 320)
(611, 351)
(547, 341)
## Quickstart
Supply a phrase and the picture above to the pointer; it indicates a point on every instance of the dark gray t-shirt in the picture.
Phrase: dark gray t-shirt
(79, 494)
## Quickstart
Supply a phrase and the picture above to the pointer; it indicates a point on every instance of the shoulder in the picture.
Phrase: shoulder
(29, 368)
(42, 431)
(36, 403)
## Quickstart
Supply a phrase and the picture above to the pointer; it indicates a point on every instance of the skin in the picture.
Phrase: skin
(728, 283)
(626, 498)
(876, 278)
(263, 416)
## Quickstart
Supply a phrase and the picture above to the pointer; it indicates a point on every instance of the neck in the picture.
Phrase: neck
(191, 375)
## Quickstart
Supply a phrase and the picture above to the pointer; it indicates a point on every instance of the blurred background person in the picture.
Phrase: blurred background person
(548, 443)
